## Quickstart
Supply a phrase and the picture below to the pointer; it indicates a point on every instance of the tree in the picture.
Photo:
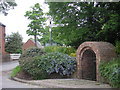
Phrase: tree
(46, 37)
(6, 5)
(35, 15)
(85, 21)
(13, 43)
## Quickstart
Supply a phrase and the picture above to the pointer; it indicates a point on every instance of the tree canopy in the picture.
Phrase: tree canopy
(6, 5)
(46, 37)
(36, 17)
(13, 43)
(86, 21)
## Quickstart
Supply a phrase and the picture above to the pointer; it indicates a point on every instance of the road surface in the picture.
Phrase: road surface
(5, 75)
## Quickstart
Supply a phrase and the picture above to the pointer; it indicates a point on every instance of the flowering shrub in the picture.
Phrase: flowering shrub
(42, 67)
(58, 63)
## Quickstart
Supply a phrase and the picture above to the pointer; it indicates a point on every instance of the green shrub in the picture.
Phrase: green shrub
(59, 63)
(117, 47)
(19, 51)
(29, 64)
(32, 52)
(32, 67)
(111, 71)
(73, 54)
(15, 71)
(60, 49)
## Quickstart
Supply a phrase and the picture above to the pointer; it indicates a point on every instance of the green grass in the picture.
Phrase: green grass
(15, 71)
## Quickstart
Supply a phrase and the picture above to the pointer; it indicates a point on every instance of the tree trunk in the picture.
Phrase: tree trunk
(35, 38)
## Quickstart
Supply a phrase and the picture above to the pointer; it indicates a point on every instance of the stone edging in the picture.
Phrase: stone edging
(45, 85)
(58, 83)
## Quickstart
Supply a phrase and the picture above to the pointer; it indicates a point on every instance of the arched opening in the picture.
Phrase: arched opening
(88, 64)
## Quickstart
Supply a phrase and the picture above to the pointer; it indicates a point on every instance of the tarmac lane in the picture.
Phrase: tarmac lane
(6, 82)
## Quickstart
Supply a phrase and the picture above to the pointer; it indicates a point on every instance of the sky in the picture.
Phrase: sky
(15, 21)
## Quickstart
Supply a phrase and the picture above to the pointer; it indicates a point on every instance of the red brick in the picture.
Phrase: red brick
(89, 51)
(28, 44)
(2, 39)
(4, 56)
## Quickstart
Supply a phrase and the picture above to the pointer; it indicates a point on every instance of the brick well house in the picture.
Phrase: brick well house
(89, 55)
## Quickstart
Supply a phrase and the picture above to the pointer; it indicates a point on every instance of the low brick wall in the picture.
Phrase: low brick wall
(5, 57)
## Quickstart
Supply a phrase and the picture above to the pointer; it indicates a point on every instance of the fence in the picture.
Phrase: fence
(15, 56)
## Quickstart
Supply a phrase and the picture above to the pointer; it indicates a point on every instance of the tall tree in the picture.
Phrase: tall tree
(46, 37)
(6, 5)
(13, 43)
(85, 21)
(36, 16)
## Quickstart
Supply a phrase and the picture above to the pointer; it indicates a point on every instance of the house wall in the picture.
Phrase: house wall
(3, 55)
(28, 44)
(2, 39)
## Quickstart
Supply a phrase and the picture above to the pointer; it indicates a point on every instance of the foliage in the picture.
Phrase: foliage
(13, 43)
(73, 54)
(41, 66)
(19, 51)
(15, 71)
(60, 49)
(35, 15)
(32, 52)
(117, 48)
(30, 65)
(85, 21)
(58, 63)
(6, 5)
(46, 37)
(111, 71)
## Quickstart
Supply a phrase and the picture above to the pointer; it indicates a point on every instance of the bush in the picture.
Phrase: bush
(15, 71)
(117, 47)
(73, 54)
(32, 52)
(19, 51)
(29, 64)
(111, 71)
(60, 49)
(59, 63)
(41, 67)
(32, 67)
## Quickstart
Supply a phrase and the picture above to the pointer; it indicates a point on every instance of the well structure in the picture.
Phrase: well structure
(89, 55)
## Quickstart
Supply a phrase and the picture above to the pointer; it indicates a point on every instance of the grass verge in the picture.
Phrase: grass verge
(15, 71)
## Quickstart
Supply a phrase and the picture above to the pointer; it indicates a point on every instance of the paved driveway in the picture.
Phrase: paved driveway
(5, 73)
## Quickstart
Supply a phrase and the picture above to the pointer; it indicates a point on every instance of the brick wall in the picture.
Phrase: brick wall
(89, 55)
(2, 39)
(28, 44)
(3, 55)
